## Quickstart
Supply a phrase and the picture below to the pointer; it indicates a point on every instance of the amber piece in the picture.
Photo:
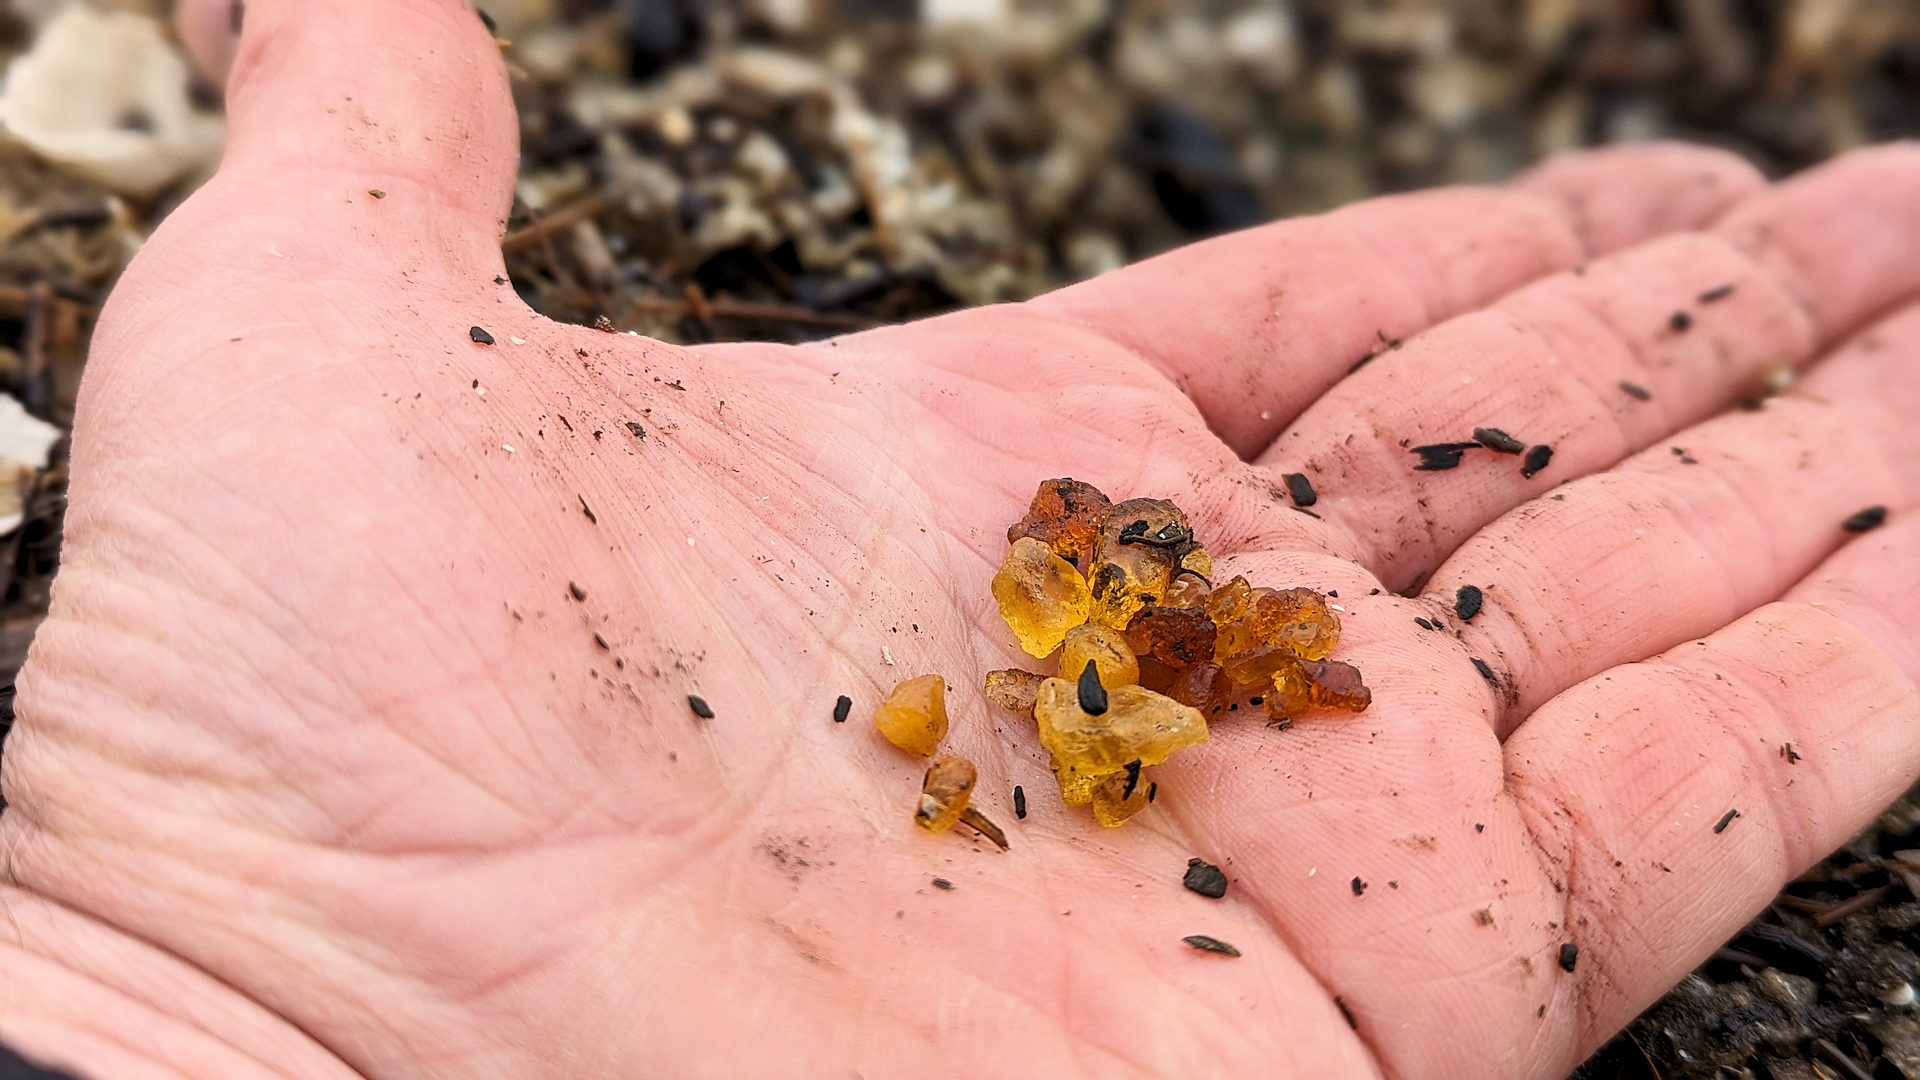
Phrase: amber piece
(1076, 785)
(1185, 591)
(1177, 637)
(1298, 620)
(1120, 796)
(1325, 684)
(1041, 596)
(1140, 544)
(1337, 685)
(1155, 675)
(1065, 515)
(1014, 689)
(1197, 563)
(1138, 724)
(944, 793)
(1106, 648)
(914, 716)
(1256, 665)
(1206, 687)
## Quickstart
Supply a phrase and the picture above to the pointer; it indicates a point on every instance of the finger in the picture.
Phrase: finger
(1593, 365)
(1800, 721)
(1692, 533)
(1257, 325)
(210, 29)
(330, 102)
(1603, 192)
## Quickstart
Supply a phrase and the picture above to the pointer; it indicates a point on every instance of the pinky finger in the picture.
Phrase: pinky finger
(1672, 799)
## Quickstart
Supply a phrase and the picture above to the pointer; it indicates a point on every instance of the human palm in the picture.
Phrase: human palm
(360, 722)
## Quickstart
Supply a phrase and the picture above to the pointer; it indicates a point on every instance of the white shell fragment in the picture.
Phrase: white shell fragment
(104, 95)
(25, 440)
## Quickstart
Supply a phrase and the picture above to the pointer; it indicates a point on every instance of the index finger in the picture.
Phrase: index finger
(1257, 325)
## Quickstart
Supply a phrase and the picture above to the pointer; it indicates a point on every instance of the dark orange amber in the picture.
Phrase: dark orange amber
(1065, 515)
(1203, 686)
(1177, 637)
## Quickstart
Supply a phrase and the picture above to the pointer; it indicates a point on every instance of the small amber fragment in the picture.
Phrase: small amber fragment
(1177, 637)
(1065, 515)
(1014, 689)
(944, 793)
(1140, 544)
(914, 716)
(1076, 785)
(1197, 563)
(1255, 666)
(1298, 620)
(1337, 685)
(1041, 596)
(1120, 796)
(1106, 648)
(1138, 724)
(1326, 684)
(1155, 675)
(1185, 591)
(1203, 686)
(1229, 601)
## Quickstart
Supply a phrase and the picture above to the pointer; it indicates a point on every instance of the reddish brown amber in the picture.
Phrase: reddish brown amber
(1177, 637)
(1203, 686)
(1065, 515)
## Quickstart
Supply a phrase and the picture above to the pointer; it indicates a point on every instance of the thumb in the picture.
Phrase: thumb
(331, 100)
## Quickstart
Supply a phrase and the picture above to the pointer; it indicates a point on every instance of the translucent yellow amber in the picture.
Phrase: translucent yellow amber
(1138, 725)
(1298, 620)
(1076, 786)
(944, 793)
(1040, 594)
(1133, 559)
(914, 716)
(1120, 796)
(1014, 689)
(1106, 648)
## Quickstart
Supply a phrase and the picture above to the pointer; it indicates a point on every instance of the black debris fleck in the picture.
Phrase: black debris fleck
(1205, 878)
(1437, 456)
(1679, 321)
(1726, 819)
(1153, 788)
(1569, 956)
(1635, 390)
(376, 193)
(1466, 601)
(1256, 700)
(1497, 441)
(1333, 594)
(1870, 518)
(479, 336)
(1093, 696)
(1486, 672)
(1535, 460)
(1479, 826)
(1133, 779)
(578, 592)
(1304, 510)
(842, 705)
(1341, 1004)
(602, 643)
(587, 510)
(675, 383)
(492, 27)
(943, 883)
(1300, 488)
(638, 431)
(699, 706)
(1424, 624)
(1359, 886)
(1212, 945)
(1685, 458)
(1718, 292)
(1019, 802)
(498, 280)
(1788, 753)
(604, 325)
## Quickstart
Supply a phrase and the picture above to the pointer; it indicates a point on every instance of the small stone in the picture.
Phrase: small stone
(1205, 878)
(1466, 602)
(842, 706)
(699, 706)
(479, 336)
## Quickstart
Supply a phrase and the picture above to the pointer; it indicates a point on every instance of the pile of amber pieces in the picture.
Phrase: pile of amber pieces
(1149, 649)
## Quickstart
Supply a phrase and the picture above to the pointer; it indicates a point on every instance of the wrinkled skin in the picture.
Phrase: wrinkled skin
(319, 769)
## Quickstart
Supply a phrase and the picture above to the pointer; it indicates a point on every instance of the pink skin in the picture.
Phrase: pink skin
(320, 768)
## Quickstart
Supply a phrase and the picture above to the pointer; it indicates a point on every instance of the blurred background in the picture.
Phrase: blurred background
(792, 169)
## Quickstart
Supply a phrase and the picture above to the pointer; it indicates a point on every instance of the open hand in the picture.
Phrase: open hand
(357, 739)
